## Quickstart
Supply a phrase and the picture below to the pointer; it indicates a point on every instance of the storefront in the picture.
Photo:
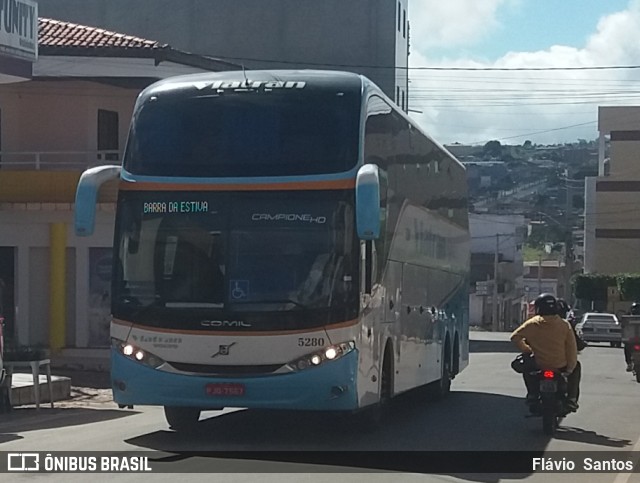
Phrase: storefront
(18, 40)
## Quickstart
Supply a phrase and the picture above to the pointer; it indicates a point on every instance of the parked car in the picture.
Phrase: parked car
(600, 327)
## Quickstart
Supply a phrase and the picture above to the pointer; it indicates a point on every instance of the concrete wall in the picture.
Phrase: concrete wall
(624, 159)
(327, 34)
(28, 230)
(618, 118)
(617, 256)
(612, 218)
(58, 116)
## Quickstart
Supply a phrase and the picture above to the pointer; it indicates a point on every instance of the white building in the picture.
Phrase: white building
(496, 238)
(370, 37)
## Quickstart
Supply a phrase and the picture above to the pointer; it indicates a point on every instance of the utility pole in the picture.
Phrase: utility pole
(568, 257)
(539, 274)
(494, 303)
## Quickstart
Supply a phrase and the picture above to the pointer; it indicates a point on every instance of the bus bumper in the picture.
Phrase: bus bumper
(331, 386)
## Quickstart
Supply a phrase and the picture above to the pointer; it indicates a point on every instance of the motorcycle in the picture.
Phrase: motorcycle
(631, 334)
(552, 399)
(635, 359)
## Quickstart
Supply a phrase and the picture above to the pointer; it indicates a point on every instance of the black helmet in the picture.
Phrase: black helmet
(546, 304)
(635, 308)
(563, 308)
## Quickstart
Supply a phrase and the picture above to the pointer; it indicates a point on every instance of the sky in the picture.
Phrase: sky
(566, 39)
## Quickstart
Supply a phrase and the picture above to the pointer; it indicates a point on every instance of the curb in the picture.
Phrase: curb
(22, 389)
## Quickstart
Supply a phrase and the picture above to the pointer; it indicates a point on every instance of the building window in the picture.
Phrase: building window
(108, 138)
(403, 106)
(399, 10)
(397, 95)
(404, 24)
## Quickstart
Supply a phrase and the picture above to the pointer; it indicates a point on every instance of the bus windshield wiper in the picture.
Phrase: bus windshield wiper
(137, 309)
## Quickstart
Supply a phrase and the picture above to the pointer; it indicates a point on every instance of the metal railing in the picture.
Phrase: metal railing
(57, 160)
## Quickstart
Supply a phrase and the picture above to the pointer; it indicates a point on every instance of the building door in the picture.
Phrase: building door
(7, 290)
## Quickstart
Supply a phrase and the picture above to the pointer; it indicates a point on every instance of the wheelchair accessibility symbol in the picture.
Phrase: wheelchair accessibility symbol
(239, 289)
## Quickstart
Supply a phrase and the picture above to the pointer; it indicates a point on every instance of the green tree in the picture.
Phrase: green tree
(493, 148)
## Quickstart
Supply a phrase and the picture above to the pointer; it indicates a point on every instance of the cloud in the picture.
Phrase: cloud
(617, 37)
(544, 106)
(452, 23)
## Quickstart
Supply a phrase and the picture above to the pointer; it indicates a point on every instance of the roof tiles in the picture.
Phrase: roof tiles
(55, 33)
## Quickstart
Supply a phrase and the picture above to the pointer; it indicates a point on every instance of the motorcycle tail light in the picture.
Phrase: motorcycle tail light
(636, 347)
(548, 374)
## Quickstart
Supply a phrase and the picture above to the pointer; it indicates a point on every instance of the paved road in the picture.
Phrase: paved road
(484, 412)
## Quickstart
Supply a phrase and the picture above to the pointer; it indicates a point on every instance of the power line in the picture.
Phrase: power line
(523, 69)
(429, 68)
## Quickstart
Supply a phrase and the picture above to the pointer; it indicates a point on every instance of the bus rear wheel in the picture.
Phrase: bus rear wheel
(181, 418)
(440, 389)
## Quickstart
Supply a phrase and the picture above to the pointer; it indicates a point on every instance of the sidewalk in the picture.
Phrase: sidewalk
(76, 374)
(22, 390)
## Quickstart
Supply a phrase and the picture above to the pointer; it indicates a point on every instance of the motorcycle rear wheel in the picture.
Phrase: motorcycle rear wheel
(549, 421)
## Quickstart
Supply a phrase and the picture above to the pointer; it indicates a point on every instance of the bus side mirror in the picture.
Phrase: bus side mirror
(87, 196)
(368, 202)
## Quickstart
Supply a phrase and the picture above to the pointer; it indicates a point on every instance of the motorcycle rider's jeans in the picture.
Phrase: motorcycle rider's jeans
(628, 350)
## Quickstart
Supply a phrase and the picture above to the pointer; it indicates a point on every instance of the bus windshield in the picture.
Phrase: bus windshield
(219, 253)
(232, 134)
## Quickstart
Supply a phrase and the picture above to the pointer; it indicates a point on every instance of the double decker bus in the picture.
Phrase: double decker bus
(283, 239)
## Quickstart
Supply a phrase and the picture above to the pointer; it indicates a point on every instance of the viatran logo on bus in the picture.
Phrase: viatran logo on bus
(249, 84)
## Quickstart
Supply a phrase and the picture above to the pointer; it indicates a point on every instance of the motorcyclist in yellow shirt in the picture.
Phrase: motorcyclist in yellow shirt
(551, 340)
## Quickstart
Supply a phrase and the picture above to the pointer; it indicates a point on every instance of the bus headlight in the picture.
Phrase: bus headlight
(134, 353)
(315, 359)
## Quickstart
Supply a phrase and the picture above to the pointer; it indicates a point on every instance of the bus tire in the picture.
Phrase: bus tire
(456, 357)
(370, 417)
(181, 418)
(441, 388)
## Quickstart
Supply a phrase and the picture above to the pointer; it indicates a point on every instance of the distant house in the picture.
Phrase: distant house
(542, 277)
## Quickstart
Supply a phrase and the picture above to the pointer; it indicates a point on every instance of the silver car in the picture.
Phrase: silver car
(600, 327)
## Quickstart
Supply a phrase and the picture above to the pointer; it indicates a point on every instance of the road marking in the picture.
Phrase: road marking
(624, 477)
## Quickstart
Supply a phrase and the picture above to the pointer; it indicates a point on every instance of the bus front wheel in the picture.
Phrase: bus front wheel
(370, 417)
(181, 418)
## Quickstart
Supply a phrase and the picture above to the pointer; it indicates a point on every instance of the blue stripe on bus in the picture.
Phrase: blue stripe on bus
(309, 389)
(351, 174)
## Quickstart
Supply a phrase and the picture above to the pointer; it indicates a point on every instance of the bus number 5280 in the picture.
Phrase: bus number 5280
(310, 341)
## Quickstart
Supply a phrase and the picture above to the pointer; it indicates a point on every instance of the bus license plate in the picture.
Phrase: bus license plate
(225, 389)
(548, 386)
